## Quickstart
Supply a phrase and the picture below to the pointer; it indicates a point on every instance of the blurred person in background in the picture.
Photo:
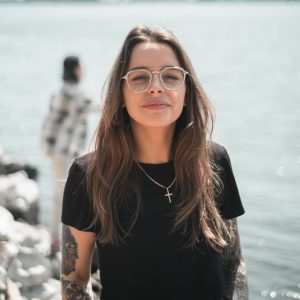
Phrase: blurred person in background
(64, 135)
(157, 196)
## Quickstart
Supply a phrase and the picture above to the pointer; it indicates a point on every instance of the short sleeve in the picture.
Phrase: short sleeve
(228, 199)
(77, 209)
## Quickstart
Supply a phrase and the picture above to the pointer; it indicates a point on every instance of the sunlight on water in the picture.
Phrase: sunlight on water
(280, 295)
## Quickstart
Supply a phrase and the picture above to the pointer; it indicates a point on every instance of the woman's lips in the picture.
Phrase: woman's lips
(155, 105)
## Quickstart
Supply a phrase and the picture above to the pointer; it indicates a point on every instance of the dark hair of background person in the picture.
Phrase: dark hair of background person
(70, 64)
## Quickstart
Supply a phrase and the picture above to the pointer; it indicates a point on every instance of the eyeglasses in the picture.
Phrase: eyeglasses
(171, 78)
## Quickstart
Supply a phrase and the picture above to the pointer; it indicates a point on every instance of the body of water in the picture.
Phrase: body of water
(247, 58)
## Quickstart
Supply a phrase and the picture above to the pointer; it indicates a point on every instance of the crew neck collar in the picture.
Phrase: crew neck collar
(156, 164)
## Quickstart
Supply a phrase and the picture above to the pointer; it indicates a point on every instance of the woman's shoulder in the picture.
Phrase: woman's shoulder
(217, 151)
(82, 162)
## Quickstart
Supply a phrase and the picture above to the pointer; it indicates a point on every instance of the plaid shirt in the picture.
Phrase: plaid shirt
(65, 127)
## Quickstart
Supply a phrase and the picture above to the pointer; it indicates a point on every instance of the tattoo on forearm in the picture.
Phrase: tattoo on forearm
(235, 274)
(73, 290)
(241, 286)
(69, 251)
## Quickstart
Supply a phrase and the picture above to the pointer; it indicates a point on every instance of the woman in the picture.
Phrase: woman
(64, 134)
(158, 198)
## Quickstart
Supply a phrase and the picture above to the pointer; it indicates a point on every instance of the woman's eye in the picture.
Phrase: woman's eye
(171, 77)
(139, 78)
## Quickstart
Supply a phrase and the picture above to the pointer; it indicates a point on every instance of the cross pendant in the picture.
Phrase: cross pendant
(168, 194)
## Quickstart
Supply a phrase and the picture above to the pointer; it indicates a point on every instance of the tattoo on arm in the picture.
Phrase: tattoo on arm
(235, 273)
(73, 290)
(69, 251)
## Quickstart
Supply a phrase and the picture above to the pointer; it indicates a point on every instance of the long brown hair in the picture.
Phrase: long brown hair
(112, 173)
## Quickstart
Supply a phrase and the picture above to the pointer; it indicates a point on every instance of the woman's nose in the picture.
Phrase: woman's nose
(156, 85)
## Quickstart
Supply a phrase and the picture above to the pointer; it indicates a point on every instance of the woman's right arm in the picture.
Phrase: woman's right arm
(77, 251)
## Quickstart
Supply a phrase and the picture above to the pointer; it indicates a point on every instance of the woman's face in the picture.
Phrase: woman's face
(156, 107)
(78, 72)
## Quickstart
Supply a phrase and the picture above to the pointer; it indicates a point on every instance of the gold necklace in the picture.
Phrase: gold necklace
(168, 194)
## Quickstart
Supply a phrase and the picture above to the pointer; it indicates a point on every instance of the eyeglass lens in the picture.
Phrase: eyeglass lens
(140, 80)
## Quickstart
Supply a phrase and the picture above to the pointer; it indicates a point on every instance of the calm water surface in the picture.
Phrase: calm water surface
(247, 58)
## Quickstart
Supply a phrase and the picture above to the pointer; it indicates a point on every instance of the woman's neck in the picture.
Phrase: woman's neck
(153, 145)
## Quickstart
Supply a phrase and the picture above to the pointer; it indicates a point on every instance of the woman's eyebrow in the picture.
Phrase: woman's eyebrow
(149, 68)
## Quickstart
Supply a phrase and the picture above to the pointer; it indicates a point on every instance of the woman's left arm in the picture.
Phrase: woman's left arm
(235, 274)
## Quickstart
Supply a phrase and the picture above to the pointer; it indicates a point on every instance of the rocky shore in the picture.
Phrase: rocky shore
(27, 268)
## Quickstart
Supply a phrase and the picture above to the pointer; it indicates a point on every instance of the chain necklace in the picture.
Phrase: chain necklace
(168, 194)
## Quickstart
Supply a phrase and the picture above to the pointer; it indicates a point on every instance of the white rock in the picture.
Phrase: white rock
(6, 181)
(28, 189)
(2, 272)
(7, 159)
(17, 185)
(29, 268)
(18, 204)
(49, 290)
(6, 220)
(3, 276)
(8, 251)
(32, 236)
(40, 239)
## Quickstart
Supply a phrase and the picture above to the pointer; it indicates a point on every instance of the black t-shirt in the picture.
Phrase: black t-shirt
(151, 264)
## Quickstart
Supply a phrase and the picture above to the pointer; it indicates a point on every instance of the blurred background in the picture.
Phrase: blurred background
(247, 56)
